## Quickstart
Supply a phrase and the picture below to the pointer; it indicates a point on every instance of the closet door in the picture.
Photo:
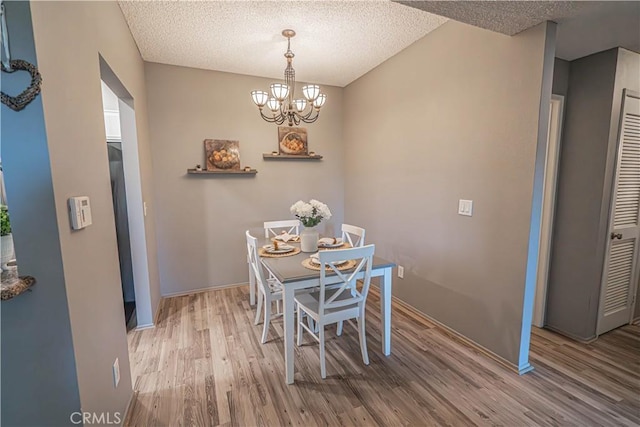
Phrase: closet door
(621, 269)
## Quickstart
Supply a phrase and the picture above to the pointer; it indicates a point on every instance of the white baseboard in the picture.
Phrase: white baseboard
(199, 290)
(571, 336)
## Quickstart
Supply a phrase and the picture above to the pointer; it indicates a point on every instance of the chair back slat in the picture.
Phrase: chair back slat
(347, 280)
(353, 235)
(254, 260)
(273, 228)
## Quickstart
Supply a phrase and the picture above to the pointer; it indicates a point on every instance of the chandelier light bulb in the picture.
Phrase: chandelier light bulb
(320, 100)
(300, 104)
(273, 104)
(279, 91)
(259, 97)
(311, 92)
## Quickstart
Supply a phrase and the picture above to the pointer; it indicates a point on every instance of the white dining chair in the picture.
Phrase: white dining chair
(273, 228)
(353, 235)
(334, 305)
(269, 289)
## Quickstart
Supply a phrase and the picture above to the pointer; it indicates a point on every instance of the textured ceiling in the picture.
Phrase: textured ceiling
(503, 16)
(336, 41)
(601, 27)
(584, 27)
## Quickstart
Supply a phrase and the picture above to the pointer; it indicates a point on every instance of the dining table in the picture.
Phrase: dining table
(293, 276)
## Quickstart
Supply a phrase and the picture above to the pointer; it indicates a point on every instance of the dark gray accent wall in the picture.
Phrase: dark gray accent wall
(561, 77)
(39, 382)
(585, 180)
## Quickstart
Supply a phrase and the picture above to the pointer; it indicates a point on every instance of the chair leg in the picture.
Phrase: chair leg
(259, 307)
(323, 368)
(340, 326)
(363, 339)
(267, 319)
(299, 319)
(311, 324)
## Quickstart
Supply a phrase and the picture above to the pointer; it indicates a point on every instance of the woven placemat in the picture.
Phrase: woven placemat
(266, 254)
(311, 266)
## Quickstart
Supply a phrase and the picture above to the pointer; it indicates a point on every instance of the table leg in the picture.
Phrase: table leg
(288, 314)
(252, 285)
(385, 310)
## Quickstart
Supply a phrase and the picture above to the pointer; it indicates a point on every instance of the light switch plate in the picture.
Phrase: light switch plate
(465, 207)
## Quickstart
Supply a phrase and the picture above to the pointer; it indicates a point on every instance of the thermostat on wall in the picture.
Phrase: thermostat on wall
(80, 211)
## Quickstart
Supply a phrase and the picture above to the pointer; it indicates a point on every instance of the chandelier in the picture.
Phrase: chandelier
(281, 103)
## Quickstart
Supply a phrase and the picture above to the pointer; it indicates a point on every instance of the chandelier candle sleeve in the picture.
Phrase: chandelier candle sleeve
(282, 103)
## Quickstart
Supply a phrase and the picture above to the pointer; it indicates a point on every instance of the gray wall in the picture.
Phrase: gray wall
(585, 179)
(203, 218)
(456, 117)
(39, 383)
(70, 38)
(561, 77)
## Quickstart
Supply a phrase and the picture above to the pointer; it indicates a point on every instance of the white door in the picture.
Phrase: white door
(621, 269)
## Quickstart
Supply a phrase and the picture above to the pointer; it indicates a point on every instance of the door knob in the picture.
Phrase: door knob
(616, 236)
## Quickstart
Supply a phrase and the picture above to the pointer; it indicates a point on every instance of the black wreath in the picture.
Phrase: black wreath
(20, 101)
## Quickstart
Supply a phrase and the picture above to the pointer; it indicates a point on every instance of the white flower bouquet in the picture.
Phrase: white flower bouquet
(310, 214)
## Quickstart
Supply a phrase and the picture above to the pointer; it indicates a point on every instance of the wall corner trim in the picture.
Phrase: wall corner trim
(531, 277)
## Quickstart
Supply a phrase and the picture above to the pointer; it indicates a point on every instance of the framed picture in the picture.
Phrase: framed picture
(292, 140)
(222, 154)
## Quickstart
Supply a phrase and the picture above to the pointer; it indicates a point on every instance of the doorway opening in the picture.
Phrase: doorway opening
(119, 198)
(129, 207)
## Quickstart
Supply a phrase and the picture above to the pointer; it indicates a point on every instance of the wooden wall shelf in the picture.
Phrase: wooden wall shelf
(222, 172)
(270, 156)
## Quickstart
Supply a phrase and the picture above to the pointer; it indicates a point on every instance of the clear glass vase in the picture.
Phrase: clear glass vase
(309, 239)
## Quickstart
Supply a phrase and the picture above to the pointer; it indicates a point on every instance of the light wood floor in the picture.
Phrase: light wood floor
(204, 365)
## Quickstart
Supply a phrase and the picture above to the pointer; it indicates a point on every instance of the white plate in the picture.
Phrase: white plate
(282, 249)
(316, 261)
(330, 245)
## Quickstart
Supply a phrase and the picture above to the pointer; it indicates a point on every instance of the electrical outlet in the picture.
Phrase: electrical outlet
(401, 272)
(116, 373)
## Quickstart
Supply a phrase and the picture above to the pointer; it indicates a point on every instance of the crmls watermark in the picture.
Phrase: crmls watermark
(102, 418)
